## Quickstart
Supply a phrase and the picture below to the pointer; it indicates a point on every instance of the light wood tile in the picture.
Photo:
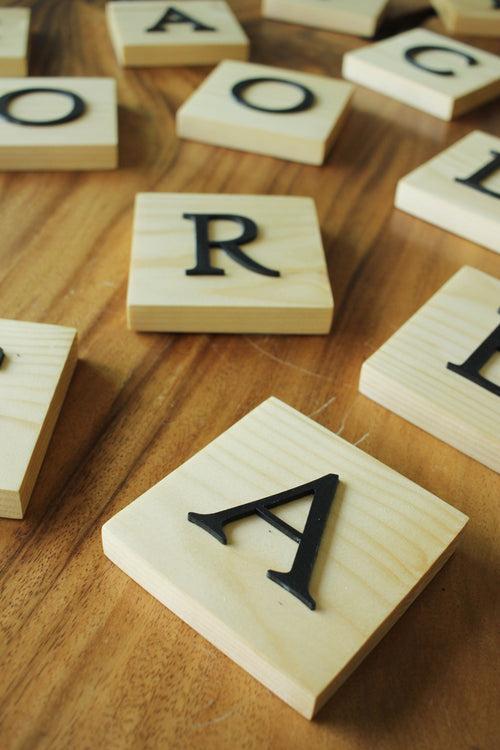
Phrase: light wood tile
(457, 77)
(35, 373)
(14, 41)
(472, 17)
(181, 42)
(384, 539)
(361, 18)
(409, 374)
(162, 297)
(432, 191)
(213, 115)
(88, 142)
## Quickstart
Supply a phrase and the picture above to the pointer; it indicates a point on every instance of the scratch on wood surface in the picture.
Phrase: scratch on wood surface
(217, 720)
(361, 439)
(284, 362)
(322, 407)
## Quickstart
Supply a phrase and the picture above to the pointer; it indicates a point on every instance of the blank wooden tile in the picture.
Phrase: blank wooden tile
(437, 193)
(88, 141)
(14, 41)
(383, 539)
(361, 17)
(474, 17)
(428, 71)
(162, 297)
(35, 372)
(186, 33)
(409, 374)
(213, 115)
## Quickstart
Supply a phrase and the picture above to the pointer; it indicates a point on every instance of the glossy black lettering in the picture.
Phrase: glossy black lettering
(296, 580)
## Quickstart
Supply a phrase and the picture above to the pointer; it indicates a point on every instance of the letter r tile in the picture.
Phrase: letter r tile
(228, 264)
(459, 190)
(428, 71)
(297, 597)
(266, 110)
(441, 370)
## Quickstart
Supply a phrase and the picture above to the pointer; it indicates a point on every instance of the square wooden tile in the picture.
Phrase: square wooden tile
(260, 120)
(36, 367)
(234, 298)
(410, 376)
(187, 33)
(428, 71)
(380, 539)
(361, 17)
(81, 129)
(14, 41)
(474, 17)
(459, 190)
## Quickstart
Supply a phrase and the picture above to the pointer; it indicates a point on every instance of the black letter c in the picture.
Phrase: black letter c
(411, 57)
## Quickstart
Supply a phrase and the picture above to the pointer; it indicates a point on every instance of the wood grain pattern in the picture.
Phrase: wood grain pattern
(14, 41)
(431, 192)
(385, 538)
(36, 369)
(409, 373)
(383, 68)
(87, 142)
(361, 18)
(88, 659)
(474, 17)
(179, 43)
(161, 297)
(213, 115)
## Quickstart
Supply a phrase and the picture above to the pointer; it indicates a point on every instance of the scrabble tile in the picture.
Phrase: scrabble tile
(266, 110)
(35, 371)
(428, 71)
(300, 596)
(459, 190)
(189, 32)
(441, 370)
(72, 126)
(14, 38)
(474, 17)
(360, 18)
(271, 279)
(400, 8)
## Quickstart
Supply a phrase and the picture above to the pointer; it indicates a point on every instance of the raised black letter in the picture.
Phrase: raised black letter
(2, 356)
(296, 581)
(412, 53)
(475, 180)
(172, 15)
(470, 369)
(7, 99)
(307, 95)
(203, 266)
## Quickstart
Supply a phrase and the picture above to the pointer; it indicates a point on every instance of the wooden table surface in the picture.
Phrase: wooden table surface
(87, 658)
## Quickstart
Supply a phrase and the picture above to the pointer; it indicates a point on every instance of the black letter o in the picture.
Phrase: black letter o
(307, 101)
(7, 99)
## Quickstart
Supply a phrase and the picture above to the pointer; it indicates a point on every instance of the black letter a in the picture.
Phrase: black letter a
(296, 581)
(470, 369)
(172, 15)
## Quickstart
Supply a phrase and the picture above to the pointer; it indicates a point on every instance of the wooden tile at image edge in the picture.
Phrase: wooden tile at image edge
(382, 529)
(409, 376)
(34, 377)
